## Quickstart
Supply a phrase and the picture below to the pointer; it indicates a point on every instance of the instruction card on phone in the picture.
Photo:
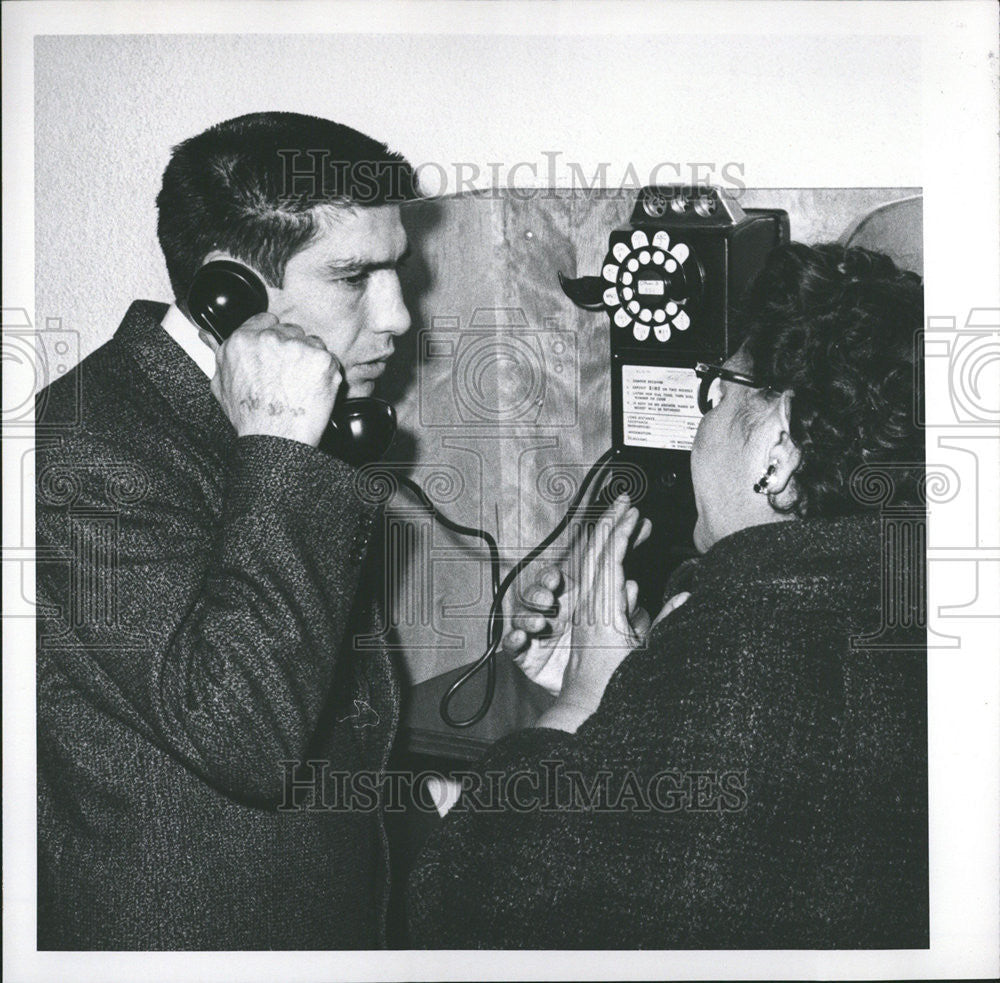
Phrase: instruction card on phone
(659, 407)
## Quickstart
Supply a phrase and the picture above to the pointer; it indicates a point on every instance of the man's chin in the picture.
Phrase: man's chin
(360, 387)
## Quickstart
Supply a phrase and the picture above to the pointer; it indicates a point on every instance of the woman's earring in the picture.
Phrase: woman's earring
(761, 486)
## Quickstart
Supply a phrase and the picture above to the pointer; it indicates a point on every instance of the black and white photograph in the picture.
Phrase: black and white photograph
(501, 490)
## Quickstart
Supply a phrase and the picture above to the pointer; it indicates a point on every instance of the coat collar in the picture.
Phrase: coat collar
(171, 371)
(786, 550)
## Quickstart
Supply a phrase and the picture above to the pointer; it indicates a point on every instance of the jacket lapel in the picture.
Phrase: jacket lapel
(181, 383)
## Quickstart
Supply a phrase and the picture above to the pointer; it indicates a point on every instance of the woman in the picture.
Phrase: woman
(742, 774)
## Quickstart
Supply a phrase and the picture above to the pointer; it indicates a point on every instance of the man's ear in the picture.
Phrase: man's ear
(783, 454)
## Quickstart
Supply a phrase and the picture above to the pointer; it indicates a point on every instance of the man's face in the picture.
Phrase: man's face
(344, 288)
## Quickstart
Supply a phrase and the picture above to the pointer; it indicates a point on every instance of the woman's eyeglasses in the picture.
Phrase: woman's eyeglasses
(710, 373)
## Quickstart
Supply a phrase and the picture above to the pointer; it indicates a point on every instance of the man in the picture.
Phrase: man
(199, 562)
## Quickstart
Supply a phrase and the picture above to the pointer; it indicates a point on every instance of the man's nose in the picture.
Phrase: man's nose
(393, 316)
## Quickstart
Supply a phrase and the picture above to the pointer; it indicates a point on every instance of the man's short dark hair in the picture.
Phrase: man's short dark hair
(249, 187)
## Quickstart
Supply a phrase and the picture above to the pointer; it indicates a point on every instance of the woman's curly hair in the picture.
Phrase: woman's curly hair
(840, 328)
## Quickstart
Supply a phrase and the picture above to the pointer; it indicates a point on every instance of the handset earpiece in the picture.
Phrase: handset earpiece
(223, 295)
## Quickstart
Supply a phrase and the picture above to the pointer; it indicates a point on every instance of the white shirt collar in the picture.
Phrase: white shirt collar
(185, 334)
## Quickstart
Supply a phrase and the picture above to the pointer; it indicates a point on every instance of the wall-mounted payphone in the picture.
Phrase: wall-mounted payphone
(668, 284)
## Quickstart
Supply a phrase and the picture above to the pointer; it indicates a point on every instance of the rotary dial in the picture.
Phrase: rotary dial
(647, 286)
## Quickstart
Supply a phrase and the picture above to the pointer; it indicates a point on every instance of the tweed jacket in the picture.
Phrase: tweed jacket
(206, 653)
(751, 778)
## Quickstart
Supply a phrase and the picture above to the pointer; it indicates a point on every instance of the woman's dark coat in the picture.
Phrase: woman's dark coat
(755, 778)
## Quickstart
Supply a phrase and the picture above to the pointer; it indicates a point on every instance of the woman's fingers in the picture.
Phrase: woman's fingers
(631, 595)
(675, 602)
(602, 575)
(538, 598)
(645, 531)
(515, 642)
(640, 623)
(590, 568)
(529, 621)
(612, 565)
(621, 533)
(541, 613)
(552, 579)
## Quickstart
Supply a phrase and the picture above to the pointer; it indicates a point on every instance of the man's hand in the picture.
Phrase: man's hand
(274, 379)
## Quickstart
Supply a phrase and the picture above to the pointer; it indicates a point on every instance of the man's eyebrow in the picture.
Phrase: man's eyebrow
(356, 264)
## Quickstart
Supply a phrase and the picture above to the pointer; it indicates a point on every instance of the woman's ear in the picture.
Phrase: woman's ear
(784, 455)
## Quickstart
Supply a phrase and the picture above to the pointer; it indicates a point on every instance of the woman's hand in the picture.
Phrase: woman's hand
(607, 623)
(586, 626)
(542, 635)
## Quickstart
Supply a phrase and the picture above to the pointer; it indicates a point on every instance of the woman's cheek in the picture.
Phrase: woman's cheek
(696, 446)
(700, 449)
(700, 537)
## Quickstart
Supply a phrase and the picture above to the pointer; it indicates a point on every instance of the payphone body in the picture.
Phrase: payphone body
(668, 284)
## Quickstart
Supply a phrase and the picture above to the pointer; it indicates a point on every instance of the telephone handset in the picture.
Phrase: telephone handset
(223, 295)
